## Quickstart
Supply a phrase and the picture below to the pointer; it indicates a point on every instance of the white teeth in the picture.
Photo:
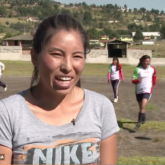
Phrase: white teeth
(64, 82)
(65, 78)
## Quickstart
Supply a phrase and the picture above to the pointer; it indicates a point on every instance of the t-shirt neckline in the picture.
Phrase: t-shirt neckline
(44, 124)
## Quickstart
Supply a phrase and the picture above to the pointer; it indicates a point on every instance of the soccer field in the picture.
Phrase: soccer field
(146, 146)
(23, 68)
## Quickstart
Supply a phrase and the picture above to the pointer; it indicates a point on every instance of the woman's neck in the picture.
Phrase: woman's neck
(47, 99)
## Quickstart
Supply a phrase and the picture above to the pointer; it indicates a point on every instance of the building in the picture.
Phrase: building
(126, 38)
(103, 40)
(30, 19)
(33, 19)
(117, 48)
(149, 35)
(21, 40)
(123, 9)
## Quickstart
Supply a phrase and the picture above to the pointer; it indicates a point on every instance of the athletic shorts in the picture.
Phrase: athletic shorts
(142, 96)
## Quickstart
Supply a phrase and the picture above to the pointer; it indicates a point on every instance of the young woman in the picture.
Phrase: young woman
(55, 121)
(115, 74)
(144, 78)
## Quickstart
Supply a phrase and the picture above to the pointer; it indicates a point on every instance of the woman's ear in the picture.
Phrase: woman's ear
(34, 58)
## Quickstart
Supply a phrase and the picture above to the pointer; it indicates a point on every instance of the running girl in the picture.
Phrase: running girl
(55, 121)
(115, 74)
(144, 78)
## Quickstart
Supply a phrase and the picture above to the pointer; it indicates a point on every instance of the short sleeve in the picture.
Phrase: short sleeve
(154, 71)
(135, 74)
(120, 67)
(5, 127)
(109, 121)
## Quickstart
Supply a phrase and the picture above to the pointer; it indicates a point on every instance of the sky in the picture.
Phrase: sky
(148, 4)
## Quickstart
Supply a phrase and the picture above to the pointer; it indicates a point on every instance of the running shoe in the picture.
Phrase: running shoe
(5, 89)
(115, 100)
(137, 126)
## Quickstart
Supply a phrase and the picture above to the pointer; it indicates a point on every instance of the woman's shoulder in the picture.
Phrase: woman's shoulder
(12, 101)
(96, 97)
(93, 93)
(12, 98)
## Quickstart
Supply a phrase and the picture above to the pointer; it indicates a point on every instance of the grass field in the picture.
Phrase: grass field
(10, 20)
(141, 160)
(158, 49)
(23, 68)
(155, 126)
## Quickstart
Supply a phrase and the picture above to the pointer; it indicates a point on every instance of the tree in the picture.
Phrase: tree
(135, 10)
(153, 11)
(146, 28)
(8, 35)
(162, 31)
(132, 27)
(116, 7)
(162, 12)
(93, 33)
(114, 34)
(143, 10)
(10, 15)
(93, 5)
(126, 13)
(139, 35)
(152, 37)
(1, 29)
(155, 27)
(101, 25)
(2, 10)
(118, 15)
(87, 17)
(106, 31)
(65, 11)
(84, 4)
(148, 18)
(130, 11)
(7, 23)
(71, 4)
(125, 6)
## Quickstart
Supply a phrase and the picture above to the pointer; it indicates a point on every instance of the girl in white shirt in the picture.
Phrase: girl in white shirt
(144, 78)
(115, 74)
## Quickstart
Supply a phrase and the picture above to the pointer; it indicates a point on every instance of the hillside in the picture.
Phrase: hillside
(23, 16)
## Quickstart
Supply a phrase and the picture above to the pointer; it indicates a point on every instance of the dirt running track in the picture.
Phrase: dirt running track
(126, 108)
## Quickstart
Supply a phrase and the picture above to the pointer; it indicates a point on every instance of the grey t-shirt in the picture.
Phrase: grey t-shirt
(36, 142)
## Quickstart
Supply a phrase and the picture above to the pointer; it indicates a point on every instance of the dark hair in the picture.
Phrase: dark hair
(142, 59)
(117, 65)
(48, 28)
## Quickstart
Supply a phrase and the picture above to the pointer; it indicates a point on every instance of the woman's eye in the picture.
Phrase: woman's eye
(56, 54)
(77, 56)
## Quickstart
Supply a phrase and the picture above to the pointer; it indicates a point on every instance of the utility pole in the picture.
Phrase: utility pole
(24, 29)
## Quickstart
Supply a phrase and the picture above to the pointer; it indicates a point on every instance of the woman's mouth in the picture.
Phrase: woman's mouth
(64, 81)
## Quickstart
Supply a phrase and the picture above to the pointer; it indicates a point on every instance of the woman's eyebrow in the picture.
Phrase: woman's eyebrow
(55, 49)
(78, 52)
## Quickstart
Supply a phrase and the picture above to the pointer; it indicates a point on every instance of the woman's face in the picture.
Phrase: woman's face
(62, 61)
(114, 62)
(146, 63)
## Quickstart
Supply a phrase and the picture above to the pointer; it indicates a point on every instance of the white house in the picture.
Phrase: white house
(124, 9)
(147, 35)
